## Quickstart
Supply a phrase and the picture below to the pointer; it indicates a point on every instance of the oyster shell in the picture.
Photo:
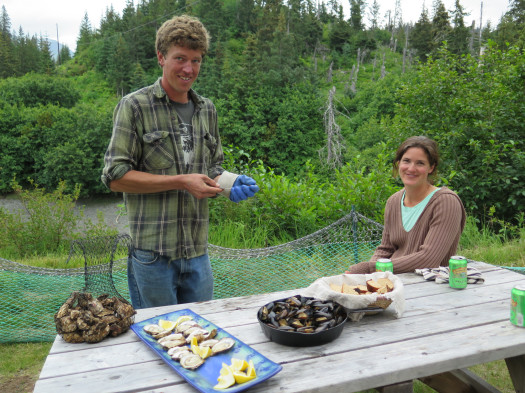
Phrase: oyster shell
(173, 343)
(194, 329)
(210, 342)
(224, 344)
(177, 352)
(191, 361)
(185, 326)
(83, 318)
(153, 329)
(199, 333)
(173, 336)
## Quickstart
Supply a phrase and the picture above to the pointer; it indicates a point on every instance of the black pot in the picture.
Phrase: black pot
(300, 339)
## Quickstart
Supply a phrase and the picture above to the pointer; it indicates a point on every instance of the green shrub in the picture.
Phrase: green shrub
(289, 208)
(473, 108)
(39, 89)
(46, 224)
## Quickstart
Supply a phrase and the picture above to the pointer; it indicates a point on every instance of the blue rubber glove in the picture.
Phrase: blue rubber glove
(244, 187)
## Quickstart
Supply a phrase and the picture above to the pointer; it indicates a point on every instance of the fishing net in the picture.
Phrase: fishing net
(327, 252)
(30, 296)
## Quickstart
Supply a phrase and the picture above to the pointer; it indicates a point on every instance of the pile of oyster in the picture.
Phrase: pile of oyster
(189, 343)
(83, 318)
(302, 314)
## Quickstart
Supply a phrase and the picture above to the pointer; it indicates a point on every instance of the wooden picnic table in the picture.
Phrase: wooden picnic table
(441, 333)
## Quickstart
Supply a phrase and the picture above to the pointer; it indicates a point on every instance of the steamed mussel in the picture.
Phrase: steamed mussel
(302, 314)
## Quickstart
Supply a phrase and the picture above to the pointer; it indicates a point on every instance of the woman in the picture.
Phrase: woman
(423, 223)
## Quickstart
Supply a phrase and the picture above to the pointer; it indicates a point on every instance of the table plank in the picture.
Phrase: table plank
(437, 333)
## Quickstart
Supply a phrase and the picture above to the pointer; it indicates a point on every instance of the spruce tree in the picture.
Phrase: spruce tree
(459, 36)
(421, 37)
(440, 25)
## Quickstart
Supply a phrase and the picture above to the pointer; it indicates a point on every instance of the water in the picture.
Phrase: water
(107, 205)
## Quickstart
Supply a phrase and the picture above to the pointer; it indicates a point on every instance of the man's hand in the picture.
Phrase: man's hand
(201, 186)
(243, 188)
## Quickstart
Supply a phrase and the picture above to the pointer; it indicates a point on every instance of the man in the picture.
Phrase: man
(165, 155)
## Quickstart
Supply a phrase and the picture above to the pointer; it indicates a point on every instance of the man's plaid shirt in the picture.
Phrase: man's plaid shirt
(146, 138)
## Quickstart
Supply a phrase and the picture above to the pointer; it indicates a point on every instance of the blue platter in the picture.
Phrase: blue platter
(204, 378)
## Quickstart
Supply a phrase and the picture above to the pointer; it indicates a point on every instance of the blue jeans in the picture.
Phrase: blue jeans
(155, 280)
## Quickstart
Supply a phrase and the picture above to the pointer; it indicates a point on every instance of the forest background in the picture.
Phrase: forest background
(312, 104)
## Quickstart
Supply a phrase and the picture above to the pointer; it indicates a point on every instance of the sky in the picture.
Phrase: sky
(38, 17)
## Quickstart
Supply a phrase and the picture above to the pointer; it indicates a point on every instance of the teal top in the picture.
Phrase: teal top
(411, 214)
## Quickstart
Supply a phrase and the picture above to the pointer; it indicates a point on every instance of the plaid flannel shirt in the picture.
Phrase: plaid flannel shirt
(146, 138)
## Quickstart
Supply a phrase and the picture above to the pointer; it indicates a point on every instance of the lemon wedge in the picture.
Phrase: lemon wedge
(194, 346)
(241, 377)
(194, 341)
(204, 352)
(167, 325)
(181, 319)
(251, 370)
(225, 369)
(239, 364)
(226, 379)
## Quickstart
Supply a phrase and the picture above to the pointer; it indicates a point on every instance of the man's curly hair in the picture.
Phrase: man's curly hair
(185, 31)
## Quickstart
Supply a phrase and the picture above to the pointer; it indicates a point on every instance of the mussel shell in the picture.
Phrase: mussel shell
(306, 321)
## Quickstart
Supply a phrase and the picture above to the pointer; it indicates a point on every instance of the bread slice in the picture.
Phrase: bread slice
(350, 289)
(373, 286)
(336, 288)
(385, 282)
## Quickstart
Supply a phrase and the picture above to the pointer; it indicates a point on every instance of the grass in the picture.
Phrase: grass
(20, 364)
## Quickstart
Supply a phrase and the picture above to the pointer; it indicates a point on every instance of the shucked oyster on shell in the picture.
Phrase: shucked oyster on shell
(191, 333)
(171, 337)
(191, 361)
(185, 326)
(224, 344)
(177, 352)
(153, 328)
(210, 342)
(173, 343)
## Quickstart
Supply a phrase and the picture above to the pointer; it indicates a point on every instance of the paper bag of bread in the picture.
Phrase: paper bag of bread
(361, 291)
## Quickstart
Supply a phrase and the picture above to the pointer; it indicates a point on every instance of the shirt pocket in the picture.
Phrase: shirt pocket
(210, 142)
(207, 147)
(158, 150)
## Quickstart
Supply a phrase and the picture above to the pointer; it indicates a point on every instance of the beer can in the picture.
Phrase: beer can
(517, 305)
(384, 265)
(457, 266)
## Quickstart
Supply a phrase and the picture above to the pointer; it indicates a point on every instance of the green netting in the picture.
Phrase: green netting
(30, 296)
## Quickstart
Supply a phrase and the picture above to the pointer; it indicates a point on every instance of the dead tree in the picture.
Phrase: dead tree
(383, 69)
(329, 73)
(331, 154)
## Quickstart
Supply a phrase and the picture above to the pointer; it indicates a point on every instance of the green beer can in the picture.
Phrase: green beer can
(517, 305)
(457, 272)
(384, 265)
